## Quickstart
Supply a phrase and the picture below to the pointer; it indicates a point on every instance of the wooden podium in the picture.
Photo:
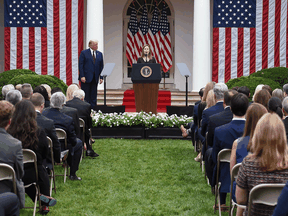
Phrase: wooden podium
(146, 78)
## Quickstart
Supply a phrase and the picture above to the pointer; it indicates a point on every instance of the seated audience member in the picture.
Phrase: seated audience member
(244, 90)
(72, 112)
(66, 123)
(48, 89)
(223, 139)
(210, 101)
(13, 96)
(285, 113)
(278, 93)
(84, 112)
(194, 124)
(262, 97)
(24, 127)
(10, 152)
(219, 90)
(240, 146)
(221, 118)
(257, 89)
(26, 91)
(282, 207)
(69, 92)
(42, 90)
(275, 105)
(9, 204)
(235, 88)
(48, 125)
(6, 89)
(18, 87)
(268, 88)
(285, 90)
(268, 162)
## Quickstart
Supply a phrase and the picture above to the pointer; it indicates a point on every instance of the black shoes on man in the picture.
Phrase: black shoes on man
(74, 178)
(91, 153)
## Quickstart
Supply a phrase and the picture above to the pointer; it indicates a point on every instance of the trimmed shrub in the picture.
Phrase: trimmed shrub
(6, 76)
(36, 80)
(251, 82)
(278, 74)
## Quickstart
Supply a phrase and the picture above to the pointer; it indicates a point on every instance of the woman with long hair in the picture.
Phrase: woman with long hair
(210, 101)
(239, 149)
(146, 55)
(275, 105)
(268, 162)
(24, 128)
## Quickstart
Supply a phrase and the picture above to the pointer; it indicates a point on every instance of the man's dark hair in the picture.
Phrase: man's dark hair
(239, 104)
(26, 90)
(285, 88)
(235, 88)
(201, 92)
(244, 90)
(56, 89)
(228, 96)
(42, 90)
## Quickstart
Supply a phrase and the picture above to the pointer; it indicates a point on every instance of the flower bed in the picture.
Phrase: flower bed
(137, 125)
(142, 119)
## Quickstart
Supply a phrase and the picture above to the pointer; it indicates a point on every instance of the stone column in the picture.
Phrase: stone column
(95, 23)
(202, 71)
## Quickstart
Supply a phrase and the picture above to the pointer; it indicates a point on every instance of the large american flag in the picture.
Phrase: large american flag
(157, 36)
(248, 35)
(45, 36)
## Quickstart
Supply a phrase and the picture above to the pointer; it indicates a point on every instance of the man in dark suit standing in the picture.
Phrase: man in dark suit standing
(285, 112)
(90, 68)
(48, 125)
(10, 152)
(84, 112)
(66, 123)
(224, 137)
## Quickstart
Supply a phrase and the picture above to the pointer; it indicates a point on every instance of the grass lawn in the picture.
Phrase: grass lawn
(135, 177)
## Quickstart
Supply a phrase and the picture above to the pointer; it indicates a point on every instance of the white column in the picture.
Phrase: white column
(95, 25)
(201, 45)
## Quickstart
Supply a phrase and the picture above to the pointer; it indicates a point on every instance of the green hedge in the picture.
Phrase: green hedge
(251, 82)
(278, 74)
(36, 80)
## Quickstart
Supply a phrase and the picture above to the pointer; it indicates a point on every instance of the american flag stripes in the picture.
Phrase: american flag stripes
(157, 36)
(166, 51)
(248, 36)
(45, 36)
(154, 35)
(131, 53)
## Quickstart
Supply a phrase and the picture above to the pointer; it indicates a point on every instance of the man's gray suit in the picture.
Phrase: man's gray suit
(11, 154)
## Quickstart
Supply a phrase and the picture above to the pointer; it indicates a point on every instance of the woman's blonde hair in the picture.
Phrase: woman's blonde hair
(149, 54)
(70, 91)
(269, 143)
(208, 87)
(210, 100)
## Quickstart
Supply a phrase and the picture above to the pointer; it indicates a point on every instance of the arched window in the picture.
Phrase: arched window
(150, 4)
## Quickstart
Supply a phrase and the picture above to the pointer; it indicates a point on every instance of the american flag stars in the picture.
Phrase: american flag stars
(25, 13)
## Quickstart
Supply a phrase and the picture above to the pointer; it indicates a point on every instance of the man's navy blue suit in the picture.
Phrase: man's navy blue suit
(91, 71)
(66, 123)
(218, 107)
(224, 137)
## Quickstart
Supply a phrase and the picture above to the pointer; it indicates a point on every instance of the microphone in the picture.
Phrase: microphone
(146, 56)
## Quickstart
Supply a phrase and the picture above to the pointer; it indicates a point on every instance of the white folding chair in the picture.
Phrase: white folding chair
(223, 157)
(61, 134)
(7, 173)
(52, 172)
(234, 175)
(29, 156)
(266, 194)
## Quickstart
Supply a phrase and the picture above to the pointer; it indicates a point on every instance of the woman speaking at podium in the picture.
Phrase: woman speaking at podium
(146, 56)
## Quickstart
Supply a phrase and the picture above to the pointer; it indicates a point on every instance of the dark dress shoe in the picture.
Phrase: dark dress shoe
(91, 153)
(75, 178)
